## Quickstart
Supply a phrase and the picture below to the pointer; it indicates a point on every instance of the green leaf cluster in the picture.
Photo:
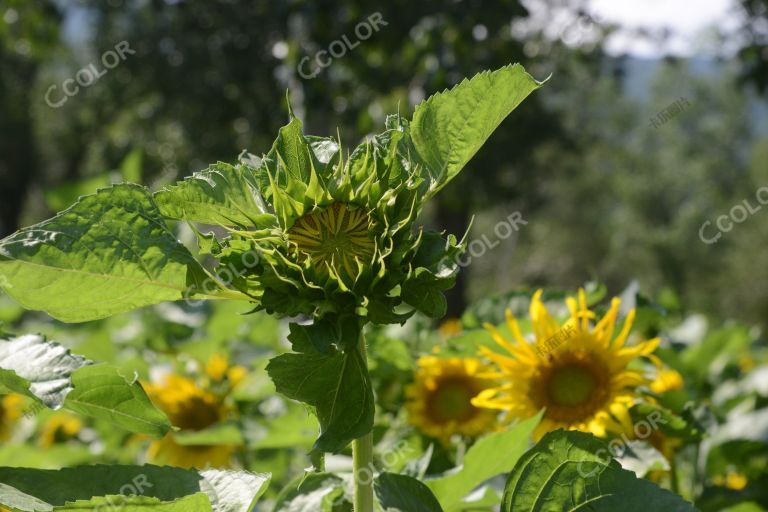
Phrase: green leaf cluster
(334, 383)
(113, 251)
(130, 489)
(286, 241)
(571, 470)
(52, 376)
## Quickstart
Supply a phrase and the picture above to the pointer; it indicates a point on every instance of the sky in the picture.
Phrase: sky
(690, 23)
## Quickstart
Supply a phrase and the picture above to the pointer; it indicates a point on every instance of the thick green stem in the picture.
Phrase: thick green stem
(362, 460)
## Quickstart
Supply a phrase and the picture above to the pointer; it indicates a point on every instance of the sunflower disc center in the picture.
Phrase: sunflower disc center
(571, 386)
(196, 414)
(452, 400)
(336, 237)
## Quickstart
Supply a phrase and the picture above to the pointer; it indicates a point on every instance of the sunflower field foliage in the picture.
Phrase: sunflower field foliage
(269, 334)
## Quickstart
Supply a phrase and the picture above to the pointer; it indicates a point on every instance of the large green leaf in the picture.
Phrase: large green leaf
(402, 493)
(50, 374)
(223, 491)
(109, 253)
(197, 502)
(102, 392)
(336, 384)
(222, 194)
(32, 366)
(571, 470)
(492, 455)
(450, 127)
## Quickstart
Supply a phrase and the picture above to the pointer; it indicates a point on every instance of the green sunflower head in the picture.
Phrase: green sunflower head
(333, 233)
(342, 238)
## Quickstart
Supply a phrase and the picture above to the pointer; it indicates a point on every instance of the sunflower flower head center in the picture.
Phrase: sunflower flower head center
(197, 413)
(187, 405)
(571, 386)
(336, 237)
(60, 429)
(572, 389)
(440, 398)
(452, 400)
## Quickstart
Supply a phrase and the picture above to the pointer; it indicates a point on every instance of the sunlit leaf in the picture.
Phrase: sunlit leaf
(402, 493)
(222, 194)
(100, 391)
(483, 461)
(335, 384)
(450, 127)
(88, 486)
(32, 366)
(49, 373)
(109, 253)
(571, 470)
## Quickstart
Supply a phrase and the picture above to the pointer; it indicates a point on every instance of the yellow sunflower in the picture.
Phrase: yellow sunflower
(10, 411)
(217, 369)
(578, 372)
(732, 480)
(192, 407)
(666, 380)
(59, 428)
(450, 327)
(440, 398)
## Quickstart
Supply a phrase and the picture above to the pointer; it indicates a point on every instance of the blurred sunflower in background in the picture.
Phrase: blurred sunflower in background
(732, 480)
(450, 327)
(10, 411)
(579, 372)
(218, 371)
(666, 380)
(193, 407)
(439, 401)
(59, 428)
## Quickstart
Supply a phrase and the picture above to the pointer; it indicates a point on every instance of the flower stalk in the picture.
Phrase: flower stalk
(362, 459)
